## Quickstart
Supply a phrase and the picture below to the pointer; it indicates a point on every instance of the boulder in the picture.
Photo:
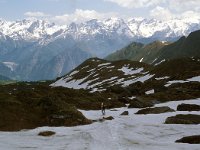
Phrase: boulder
(183, 119)
(108, 118)
(125, 113)
(195, 139)
(113, 110)
(156, 110)
(136, 103)
(46, 133)
(188, 107)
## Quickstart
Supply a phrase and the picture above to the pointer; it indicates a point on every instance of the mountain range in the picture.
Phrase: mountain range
(176, 62)
(157, 52)
(39, 50)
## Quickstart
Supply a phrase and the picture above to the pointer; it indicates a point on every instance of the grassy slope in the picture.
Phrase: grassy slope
(158, 51)
(137, 51)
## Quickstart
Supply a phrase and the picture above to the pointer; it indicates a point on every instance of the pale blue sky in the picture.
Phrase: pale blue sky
(64, 11)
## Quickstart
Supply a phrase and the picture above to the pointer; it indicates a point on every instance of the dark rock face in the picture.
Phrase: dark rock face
(125, 113)
(156, 110)
(183, 119)
(46, 133)
(195, 139)
(108, 118)
(188, 107)
(135, 103)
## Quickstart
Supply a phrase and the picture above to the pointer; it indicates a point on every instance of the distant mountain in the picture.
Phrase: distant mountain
(5, 70)
(61, 64)
(138, 52)
(126, 53)
(184, 47)
(36, 44)
(2, 78)
(157, 52)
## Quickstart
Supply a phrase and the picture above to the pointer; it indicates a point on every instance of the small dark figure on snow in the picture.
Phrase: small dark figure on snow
(103, 109)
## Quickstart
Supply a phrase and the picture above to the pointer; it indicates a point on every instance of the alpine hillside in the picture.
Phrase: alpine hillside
(136, 78)
(157, 52)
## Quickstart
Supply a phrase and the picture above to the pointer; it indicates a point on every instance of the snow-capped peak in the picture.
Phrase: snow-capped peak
(33, 29)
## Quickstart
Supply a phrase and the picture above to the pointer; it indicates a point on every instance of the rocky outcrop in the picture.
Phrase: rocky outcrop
(30, 113)
(183, 119)
(156, 110)
(108, 118)
(136, 103)
(125, 113)
(195, 139)
(188, 107)
(46, 133)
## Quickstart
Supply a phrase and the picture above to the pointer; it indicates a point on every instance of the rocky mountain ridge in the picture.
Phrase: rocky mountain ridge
(96, 75)
(157, 52)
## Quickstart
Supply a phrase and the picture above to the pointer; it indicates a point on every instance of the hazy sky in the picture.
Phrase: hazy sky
(65, 11)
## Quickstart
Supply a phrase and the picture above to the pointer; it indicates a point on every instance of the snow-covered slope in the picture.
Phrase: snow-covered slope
(99, 75)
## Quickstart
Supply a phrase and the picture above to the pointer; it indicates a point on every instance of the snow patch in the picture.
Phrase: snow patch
(175, 81)
(74, 72)
(139, 79)
(105, 64)
(150, 92)
(195, 79)
(11, 65)
(132, 97)
(130, 71)
(141, 59)
(162, 78)
(160, 62)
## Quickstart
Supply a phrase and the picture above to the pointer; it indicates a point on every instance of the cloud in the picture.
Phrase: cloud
(80, 15)
(77, 16)
(136, 3)
(161, 13)
(184, 5)
(36, 14)
(190, 15)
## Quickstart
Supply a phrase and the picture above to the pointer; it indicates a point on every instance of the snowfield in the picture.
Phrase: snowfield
(138, 132)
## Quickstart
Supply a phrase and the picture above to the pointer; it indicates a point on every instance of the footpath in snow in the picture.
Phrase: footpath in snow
(138, 132)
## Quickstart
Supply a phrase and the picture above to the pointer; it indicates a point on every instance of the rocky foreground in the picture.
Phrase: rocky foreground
(31, 105)
(133, 131)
